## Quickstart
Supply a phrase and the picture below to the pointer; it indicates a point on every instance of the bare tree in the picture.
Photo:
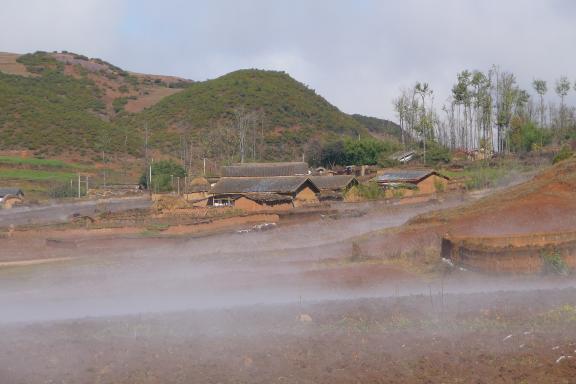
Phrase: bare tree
(246, 122)
(241, 118)
(401, 106)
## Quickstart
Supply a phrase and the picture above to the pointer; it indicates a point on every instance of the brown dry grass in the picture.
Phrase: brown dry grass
(154, 96)
(8, 64)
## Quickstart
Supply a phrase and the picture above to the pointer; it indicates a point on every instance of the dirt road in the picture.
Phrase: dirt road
(61, 212)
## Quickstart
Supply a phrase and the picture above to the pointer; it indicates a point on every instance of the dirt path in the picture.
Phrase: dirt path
(60, 212)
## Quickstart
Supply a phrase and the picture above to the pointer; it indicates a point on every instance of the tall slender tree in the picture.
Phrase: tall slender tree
(541, 88)
(562, 89)
(423, 90)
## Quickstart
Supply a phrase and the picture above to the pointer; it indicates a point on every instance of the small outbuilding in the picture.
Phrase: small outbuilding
(334, 187)
(263, 201)
(411, 182)
(197, 192)
(261, 193)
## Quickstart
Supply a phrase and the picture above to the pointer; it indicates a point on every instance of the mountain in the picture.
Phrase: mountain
(283, 115)
(64, 103)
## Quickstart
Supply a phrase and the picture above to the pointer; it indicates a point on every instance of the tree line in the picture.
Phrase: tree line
(487, 110)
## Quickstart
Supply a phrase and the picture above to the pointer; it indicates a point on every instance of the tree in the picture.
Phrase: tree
(163, 173)
(508, 97)
(423, 89)
(562, 89)
(541, 88)
(401, 106)
(482, 103)
(241, 125)
(246, 122)
(525, 135)
(334, 153)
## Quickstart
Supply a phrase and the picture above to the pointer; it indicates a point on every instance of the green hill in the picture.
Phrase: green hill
(49, 112)
(52, 112)
(286, 115)
(65, 103)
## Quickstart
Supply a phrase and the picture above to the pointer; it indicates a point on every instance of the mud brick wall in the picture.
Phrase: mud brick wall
(510, 254)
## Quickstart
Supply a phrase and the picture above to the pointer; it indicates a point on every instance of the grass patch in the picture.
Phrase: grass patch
(34, 162)
(157, 227)
(35, 175)
(553, 263)
(361, 192)
(488, 176)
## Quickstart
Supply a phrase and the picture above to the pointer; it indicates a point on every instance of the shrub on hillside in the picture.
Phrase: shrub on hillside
(163, 174)
(565, 153)
(360, 192)
(437, 153)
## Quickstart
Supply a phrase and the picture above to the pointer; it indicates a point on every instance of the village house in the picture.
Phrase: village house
(266, 169)
(411, 182)
(264, 193)
(333, 187)
(10, 196)
(197, 192)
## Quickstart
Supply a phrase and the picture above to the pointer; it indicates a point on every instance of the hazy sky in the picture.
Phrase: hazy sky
(356, 53)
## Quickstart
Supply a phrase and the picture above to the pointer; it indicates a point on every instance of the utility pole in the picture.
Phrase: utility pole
(86, 178)
(150, 179)
(204, 172)
(104, 167)
(146, 141)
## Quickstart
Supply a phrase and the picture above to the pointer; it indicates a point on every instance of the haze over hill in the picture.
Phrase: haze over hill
(65, 103)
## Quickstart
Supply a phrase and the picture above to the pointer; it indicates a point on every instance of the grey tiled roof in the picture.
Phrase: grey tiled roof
(268, 197)
(404, 176)
(280, 184)
(333, 182)
(265, 169)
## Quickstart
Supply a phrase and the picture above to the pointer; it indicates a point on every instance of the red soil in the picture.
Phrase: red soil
(478, 338)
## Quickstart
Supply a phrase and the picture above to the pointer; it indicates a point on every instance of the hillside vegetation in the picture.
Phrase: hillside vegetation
(70, 104)
(49, 114)
(380, 128)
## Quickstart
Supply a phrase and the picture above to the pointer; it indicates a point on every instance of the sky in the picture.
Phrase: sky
(355, 53)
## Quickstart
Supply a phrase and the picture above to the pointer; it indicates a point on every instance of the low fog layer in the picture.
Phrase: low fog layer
(284, 265)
